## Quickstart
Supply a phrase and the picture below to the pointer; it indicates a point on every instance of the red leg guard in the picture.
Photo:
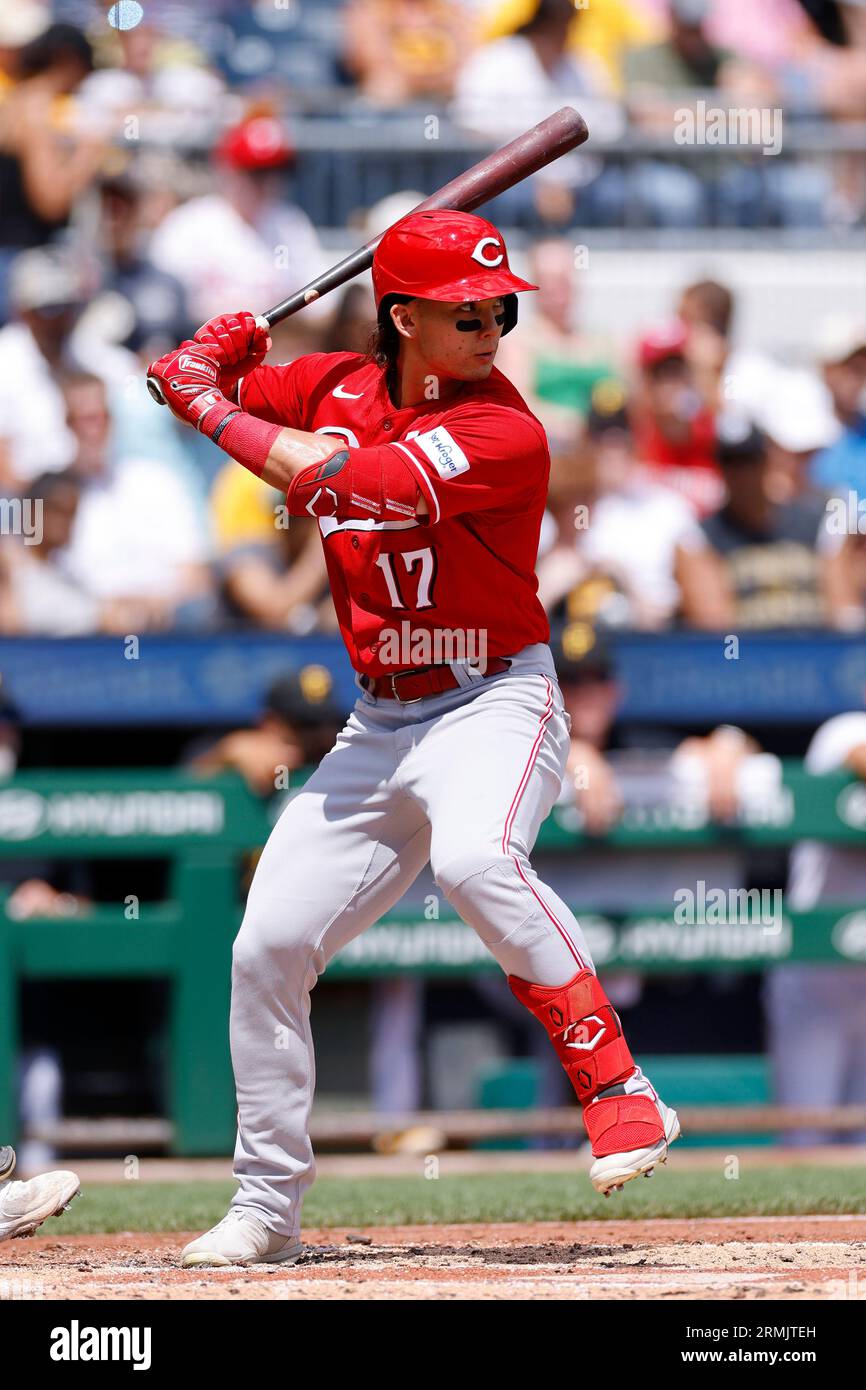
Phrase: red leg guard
(585, 1030)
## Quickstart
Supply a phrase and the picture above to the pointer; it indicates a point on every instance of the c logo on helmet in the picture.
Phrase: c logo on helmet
(479, 256)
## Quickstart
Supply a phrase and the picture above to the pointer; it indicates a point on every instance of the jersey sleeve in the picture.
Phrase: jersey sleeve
(478, 458)
(280, 394)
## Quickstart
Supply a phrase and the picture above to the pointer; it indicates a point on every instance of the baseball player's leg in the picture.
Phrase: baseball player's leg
(25, 1205)
(506, 751)
(342, 853)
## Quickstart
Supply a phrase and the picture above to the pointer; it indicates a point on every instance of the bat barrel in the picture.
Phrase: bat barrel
(536, 148)
(497, 172)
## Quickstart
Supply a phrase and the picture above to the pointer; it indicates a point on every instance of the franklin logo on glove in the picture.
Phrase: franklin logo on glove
(199, 364)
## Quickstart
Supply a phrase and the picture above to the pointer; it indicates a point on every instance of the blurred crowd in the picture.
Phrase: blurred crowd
(690, 474)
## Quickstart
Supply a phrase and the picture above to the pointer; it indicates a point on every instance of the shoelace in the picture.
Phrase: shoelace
(233, 1214)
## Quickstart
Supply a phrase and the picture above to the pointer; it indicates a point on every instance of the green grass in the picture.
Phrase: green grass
(137, 1206)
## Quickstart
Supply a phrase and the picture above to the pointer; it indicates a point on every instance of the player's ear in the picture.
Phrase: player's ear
(404, 319)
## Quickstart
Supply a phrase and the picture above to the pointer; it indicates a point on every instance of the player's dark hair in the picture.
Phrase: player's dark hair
(384, 345)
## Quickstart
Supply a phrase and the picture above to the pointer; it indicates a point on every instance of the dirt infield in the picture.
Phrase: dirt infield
(738, 1258)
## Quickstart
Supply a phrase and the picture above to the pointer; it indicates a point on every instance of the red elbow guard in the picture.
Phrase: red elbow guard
(374, 482)
(585, 1030)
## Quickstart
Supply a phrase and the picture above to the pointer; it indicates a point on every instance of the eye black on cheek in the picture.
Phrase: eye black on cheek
(468, 325)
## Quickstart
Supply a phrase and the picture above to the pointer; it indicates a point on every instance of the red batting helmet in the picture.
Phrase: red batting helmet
(451, 256)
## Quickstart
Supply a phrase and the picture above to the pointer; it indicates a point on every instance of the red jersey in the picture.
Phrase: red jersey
(459, 584)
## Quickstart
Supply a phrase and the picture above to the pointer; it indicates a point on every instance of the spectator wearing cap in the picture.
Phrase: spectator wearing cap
(797, 422)
(635, 525)
(242, 244)
(148, 303)
(611, 768)
(47, 292)
(591, 696)
(755, 563)
(138, 538)
(297, 725)
(841, 466)
(52, 334)
(47, 159)
(674, 430)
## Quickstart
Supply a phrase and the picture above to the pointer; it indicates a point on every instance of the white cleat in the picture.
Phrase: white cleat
(25, 1205)
(240, 1239)
(610, 1173)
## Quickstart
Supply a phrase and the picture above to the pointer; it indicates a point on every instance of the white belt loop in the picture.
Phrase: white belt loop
(465, 674)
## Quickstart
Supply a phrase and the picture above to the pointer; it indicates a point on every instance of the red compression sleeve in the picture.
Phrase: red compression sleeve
(245, 438)
(373, 481)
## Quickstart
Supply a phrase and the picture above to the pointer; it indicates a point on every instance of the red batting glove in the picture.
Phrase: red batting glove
(237, 343)
(189, 378)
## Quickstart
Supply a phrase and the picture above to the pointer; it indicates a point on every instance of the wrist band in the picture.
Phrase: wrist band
(246, 439)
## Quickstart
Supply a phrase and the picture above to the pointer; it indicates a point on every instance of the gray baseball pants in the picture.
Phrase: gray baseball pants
(463, 780)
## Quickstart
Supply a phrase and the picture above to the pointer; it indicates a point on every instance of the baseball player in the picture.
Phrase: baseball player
(25, 1205)
(428, 474)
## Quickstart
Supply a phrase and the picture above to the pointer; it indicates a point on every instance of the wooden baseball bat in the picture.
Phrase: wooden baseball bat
(497, 172)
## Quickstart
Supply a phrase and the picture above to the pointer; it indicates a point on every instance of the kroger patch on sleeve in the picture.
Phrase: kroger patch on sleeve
(443, 452)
